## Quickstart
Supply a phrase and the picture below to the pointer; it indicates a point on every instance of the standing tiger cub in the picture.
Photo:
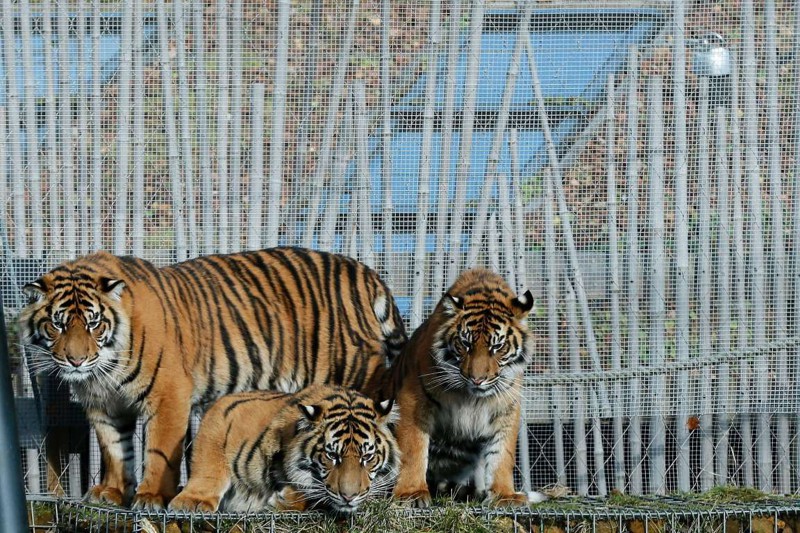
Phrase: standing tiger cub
(133, 339)
(460, 389)
(323, 446)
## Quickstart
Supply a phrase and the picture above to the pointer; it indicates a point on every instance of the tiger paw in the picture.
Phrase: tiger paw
(147, 501)
(104, 494)
(420, 498)
(187, 502)
(287, 500)
(509, 499)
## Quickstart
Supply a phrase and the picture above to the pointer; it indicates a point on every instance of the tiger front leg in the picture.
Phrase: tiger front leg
(413, 441)
(115, 437)
(211, 474)
(202, 493)
(499, 457)
(164, 439)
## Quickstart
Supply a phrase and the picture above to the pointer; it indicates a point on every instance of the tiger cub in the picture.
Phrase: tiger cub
(133, 339)
(323, 446)
(459, 383)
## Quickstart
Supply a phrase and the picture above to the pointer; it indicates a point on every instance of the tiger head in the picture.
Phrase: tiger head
(482, 343)
(74, 323)
(344, 451)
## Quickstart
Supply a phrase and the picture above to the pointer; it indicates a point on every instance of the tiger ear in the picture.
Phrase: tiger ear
(311, 412)
(35, 290)
(522, 304)
(452, 304)
(112, 287)
(386, 411)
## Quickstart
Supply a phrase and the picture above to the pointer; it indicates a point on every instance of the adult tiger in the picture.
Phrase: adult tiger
(460, 387)
(133, 339)
(324, 447)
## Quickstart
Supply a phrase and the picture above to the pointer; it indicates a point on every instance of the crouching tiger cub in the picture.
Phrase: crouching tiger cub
(460, 381)
(133, 339)
(323, 446)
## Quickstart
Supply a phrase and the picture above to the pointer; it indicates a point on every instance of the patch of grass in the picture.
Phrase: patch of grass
(720, 495)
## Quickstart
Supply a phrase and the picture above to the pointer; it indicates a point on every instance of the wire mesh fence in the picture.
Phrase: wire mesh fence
(653, 514)
(633, 163)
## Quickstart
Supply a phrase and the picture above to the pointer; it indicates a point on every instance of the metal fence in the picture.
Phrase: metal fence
(634, 163)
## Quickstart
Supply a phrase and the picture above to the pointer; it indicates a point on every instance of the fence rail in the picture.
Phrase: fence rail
(607, 156)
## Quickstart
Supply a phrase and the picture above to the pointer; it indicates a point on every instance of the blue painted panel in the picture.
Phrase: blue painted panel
(406, 158)
(575, 51)
(573, 62)
(80, 58)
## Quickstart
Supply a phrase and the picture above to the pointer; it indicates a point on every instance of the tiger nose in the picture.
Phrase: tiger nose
(478, 381)
(348, 496)
(76, 361)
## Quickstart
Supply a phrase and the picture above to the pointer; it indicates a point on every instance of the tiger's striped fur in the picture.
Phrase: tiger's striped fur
(459, 384)
(133, 339)
(324, 447)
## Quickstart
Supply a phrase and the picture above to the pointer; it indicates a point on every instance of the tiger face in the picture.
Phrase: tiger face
(344, 452)
(483, 344)
(74, 324)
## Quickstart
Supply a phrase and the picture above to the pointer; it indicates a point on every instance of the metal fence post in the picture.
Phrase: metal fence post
(12, 493)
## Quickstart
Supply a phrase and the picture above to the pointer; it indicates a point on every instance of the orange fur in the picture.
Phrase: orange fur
(321, 446)
(459, 383)
(136, 340)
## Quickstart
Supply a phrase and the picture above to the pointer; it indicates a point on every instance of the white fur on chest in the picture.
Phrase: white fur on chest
(465, 419)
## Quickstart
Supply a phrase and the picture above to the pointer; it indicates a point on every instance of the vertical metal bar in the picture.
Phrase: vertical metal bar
(479, 226)
(123, 125)
(613, 266)
(386, 144)
(302, 136)
(235, 197)
(223, 114)
(257, 169)
(505, 211)
(519, 215)
(32, 131)
(137, 227)
(448, 112)
(779, 298)
(655, 158)
(278, 119)
(745, 427)
(4, 197)
(14, 134)
(53, 180)
(795, 234)
(342, 157)
(551, 270)
(723, 296)
(330, 123)
(758, 285)
(578, 392)
(500, 128)
(465, 145)
(704, 290)
(363, 198)
(12, 492)
(597, 447)
(682, 287)
(184, 105)
(173, 146)
(425, 164)
(492, 252)
(97, 136)
(83, 145)
(566, 225)
(204, 142)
